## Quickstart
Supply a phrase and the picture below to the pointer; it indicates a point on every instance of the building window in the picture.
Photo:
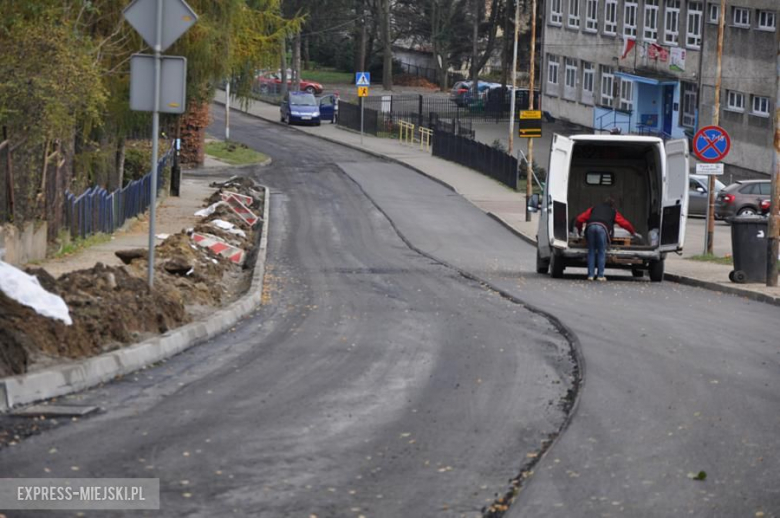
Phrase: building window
(574, 13)
(571, 73)
(690, 98)
(672, 22)
(587, 77)
(592, 16)
(610, 17)
(552, 69)
(736, 101)
(607, 85)
(713, 15)
(556, 13)
(651, 20)
(693, 38)
(626, 95)
(629, 20)
(741, 17)
(766, 20)
(760, 106)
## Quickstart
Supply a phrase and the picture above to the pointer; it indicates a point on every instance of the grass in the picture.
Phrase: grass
(709, 258)
(328, 76)
(79, 244)
(234, 153)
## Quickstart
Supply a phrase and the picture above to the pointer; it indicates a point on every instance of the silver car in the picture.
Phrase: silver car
(697, 193)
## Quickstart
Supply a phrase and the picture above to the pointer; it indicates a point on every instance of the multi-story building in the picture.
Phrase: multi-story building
(648, 67)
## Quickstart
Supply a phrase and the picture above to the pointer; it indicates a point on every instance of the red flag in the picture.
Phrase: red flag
(628, 44)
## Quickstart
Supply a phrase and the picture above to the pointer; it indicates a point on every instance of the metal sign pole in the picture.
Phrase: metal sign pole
(227, 111)
(361, 120)
(513, 93)
(155, 141)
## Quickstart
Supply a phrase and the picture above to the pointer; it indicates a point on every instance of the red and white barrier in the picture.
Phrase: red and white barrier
(219, 247)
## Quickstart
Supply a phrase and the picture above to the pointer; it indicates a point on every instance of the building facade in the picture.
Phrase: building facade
(648, 67)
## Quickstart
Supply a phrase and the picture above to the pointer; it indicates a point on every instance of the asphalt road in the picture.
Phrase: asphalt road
(677, 380)
(374, 382)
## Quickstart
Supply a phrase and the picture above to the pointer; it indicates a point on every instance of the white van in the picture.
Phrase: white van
(649, 183)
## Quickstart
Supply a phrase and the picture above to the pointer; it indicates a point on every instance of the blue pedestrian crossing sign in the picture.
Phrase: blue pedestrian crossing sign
(363, 78)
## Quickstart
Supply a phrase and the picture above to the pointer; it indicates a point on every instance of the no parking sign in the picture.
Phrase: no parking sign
(711, 144)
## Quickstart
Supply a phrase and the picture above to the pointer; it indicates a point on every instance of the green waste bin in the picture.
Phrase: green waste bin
(748, 245)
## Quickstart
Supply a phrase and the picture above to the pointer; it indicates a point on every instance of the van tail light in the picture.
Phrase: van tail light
(728, 198)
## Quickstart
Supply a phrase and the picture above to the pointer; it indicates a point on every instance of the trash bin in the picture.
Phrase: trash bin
(748, 245)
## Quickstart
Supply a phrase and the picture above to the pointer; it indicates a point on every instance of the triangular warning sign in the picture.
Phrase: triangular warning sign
(362, 79)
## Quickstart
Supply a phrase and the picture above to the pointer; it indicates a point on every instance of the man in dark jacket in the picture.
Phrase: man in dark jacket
(600, 221)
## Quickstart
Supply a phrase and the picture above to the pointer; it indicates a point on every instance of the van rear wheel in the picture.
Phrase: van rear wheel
(657, 270)
(542, 265)
(556, 265)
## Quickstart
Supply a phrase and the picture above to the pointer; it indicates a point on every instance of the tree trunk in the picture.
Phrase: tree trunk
(121, 152)
(283, 90)
(387, 47)
(306, 57)
(507, 43)
(296, 64)
(475, 49)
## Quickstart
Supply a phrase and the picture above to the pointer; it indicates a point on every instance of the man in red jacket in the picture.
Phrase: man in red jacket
(600, 221)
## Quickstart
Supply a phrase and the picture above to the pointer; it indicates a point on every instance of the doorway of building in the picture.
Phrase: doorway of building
(668, 108)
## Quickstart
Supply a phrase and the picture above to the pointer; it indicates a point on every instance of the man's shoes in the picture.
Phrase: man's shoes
(590, 278)
(602, 279)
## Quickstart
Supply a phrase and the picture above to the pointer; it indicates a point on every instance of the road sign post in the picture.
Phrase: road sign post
(362, 81)
(711, 144)
(160, 23)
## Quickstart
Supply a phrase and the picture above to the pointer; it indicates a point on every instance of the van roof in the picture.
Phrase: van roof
(616, 138)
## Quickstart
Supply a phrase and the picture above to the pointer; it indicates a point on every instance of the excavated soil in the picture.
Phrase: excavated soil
(113, 306)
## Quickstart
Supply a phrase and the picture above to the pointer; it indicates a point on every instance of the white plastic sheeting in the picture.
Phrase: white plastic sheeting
(26, 290)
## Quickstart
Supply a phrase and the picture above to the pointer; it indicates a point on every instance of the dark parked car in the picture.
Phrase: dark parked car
(741, 198)
(697, 193)
(300, 107)
(459, 89)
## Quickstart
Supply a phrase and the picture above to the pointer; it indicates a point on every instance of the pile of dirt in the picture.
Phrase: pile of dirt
(109, 307)
(112, 306)
(417, 81)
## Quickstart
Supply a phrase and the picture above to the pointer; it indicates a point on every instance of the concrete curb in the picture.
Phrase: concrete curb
(66, 379)
(680, 279)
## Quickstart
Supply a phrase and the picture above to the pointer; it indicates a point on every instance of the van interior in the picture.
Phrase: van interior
(629, 172)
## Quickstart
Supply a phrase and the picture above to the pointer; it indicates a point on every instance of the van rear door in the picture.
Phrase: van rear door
(558, 191)
(675, 199)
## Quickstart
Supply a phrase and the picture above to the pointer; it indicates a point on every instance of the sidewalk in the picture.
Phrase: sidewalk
(502, 203)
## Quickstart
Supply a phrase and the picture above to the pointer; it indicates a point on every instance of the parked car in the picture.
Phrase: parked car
(329, 107)
(271, 82)
(300, 107)
(459, 89)
(741, 198)
(698, 196)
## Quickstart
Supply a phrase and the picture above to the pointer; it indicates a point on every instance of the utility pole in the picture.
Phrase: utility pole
(774, 220)
(710, 234)
(529, 185)
(514, 80)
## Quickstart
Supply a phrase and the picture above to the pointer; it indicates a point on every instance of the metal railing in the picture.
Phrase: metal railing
(98, 211)
(487, 160)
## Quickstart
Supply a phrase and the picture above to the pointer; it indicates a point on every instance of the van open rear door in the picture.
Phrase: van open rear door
(675, 200)
(558, 191)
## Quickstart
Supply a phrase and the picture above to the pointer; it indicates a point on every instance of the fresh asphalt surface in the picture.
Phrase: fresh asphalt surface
(374, 381)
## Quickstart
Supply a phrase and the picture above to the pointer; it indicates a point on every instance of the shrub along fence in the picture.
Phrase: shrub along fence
(487, 160)
(96, 210)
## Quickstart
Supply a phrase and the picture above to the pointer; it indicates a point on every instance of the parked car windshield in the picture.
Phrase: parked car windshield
(303, 100)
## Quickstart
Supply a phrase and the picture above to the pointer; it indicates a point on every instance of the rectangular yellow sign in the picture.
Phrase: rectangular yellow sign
(531, 114)
(530, 133)
(362, 91)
